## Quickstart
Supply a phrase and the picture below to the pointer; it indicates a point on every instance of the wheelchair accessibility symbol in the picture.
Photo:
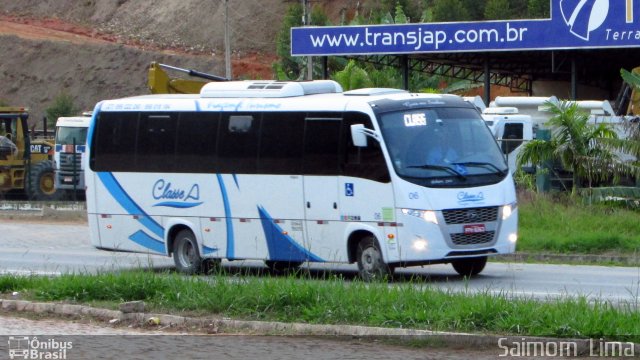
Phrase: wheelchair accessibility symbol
(348, 189)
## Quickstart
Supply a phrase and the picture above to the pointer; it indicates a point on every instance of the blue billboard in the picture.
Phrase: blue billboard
(574, 24)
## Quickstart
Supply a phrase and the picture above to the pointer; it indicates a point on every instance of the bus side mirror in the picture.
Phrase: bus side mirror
(358, 135)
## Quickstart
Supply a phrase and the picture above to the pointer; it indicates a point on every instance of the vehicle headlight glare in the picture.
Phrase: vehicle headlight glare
(507, 210)
(420, 245)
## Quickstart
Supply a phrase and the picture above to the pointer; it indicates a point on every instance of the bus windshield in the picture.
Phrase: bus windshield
(66, 135)
(442, 147)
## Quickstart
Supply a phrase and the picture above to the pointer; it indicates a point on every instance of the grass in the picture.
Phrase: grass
(336, 301)
(562, 225)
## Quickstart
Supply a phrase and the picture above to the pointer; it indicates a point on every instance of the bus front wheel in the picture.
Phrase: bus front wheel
(470, 266)
(371, 265)
(185, 253)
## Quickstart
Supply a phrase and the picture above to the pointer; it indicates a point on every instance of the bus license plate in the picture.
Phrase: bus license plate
(474, 228)
(68, 179)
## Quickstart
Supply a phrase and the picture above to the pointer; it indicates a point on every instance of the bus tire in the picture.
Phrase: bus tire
(278, 267)
(185, 253)
(469, 267)
(371, 265)
(42, 183)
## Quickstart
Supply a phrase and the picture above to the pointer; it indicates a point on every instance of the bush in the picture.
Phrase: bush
(62, 106)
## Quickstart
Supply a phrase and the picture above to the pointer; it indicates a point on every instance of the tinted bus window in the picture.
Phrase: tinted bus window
(281, 138)
(156, 142)
(321, 146)
(363, 162)
(197, 136)
(114, 143)
(238, 143)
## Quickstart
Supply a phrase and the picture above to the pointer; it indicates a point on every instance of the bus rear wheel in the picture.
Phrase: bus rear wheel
(185, 253)
(371, 265)
(470, 266)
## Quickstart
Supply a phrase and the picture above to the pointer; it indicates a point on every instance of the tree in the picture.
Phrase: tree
(62, 106)
(352, 77)
(449, 10)
(582, 148)
(538, 9)
(497, 10)
(289, 67)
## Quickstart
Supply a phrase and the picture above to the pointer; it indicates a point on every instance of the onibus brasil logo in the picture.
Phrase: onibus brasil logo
(24, 347)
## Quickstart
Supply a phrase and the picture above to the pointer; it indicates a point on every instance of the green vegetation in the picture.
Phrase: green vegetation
(336, 301)
(564, 224)
(62, 106)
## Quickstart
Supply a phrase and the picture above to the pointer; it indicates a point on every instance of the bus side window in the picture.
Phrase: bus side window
(156, 142)
(238, 143)
(197, 137)
(114, 144)
(363, 162)
(321, 145)
(281, 136)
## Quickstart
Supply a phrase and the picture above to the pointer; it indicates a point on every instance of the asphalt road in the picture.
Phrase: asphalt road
(56, 248)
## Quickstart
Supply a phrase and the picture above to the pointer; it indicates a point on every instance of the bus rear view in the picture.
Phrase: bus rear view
(288, 173)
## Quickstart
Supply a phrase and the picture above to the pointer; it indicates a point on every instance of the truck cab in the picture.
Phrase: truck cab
(70, 153)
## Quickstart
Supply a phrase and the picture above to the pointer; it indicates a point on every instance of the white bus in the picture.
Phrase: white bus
(290, 172)
(70, 152)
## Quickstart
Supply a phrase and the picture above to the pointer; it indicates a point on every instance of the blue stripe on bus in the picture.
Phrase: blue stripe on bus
(208, 250)
(282, 247)
(143, 239)
(228, 220)
(235, 179)
(178, 205)
(121, 196)
(92, 125)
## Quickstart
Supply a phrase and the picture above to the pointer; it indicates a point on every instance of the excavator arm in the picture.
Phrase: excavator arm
(159, 81)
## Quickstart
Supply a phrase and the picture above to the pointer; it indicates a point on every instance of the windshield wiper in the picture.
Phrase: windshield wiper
(439, 167)
(483, 164)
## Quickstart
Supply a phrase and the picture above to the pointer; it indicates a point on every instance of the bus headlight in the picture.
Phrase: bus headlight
(426, 215)
(507, 210)
(419, 244)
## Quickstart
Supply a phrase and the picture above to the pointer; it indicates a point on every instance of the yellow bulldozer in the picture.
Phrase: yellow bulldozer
(25, 160)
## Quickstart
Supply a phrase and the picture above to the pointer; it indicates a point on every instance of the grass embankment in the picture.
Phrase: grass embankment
(565, 225)
(336, 301)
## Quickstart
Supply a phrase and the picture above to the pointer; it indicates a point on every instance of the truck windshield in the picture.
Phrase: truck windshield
(442, 147)
(66, 135)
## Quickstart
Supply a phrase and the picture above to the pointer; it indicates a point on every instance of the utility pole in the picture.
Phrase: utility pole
(306, 21)
(227, 43)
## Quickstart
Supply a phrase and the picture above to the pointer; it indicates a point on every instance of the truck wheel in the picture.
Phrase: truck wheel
(42, 183)
(370, 263)
(185, 253)
(470, 266)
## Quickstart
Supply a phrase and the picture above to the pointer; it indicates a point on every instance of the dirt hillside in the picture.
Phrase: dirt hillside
(100, 49)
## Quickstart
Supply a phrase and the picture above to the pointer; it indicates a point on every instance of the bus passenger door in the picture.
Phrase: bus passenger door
(321, 169)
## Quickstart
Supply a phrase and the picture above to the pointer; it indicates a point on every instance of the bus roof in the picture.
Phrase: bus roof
(317, 95)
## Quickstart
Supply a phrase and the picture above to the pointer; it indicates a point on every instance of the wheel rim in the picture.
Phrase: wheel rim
(370, 260)
(47, 184)
(186, 253)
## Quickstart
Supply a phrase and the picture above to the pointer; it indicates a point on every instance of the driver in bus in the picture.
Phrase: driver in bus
(439, 152)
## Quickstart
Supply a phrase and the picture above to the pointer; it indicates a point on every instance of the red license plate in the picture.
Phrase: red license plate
(474, 228)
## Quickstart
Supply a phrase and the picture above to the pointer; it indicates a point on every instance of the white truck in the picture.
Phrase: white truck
(70, 153)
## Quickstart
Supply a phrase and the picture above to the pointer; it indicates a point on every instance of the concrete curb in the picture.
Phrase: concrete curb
(217, 325)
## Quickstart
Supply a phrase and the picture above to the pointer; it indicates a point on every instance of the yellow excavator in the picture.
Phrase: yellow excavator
(159, 81)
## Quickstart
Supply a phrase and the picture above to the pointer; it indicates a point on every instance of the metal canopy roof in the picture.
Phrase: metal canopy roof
(518, 69)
